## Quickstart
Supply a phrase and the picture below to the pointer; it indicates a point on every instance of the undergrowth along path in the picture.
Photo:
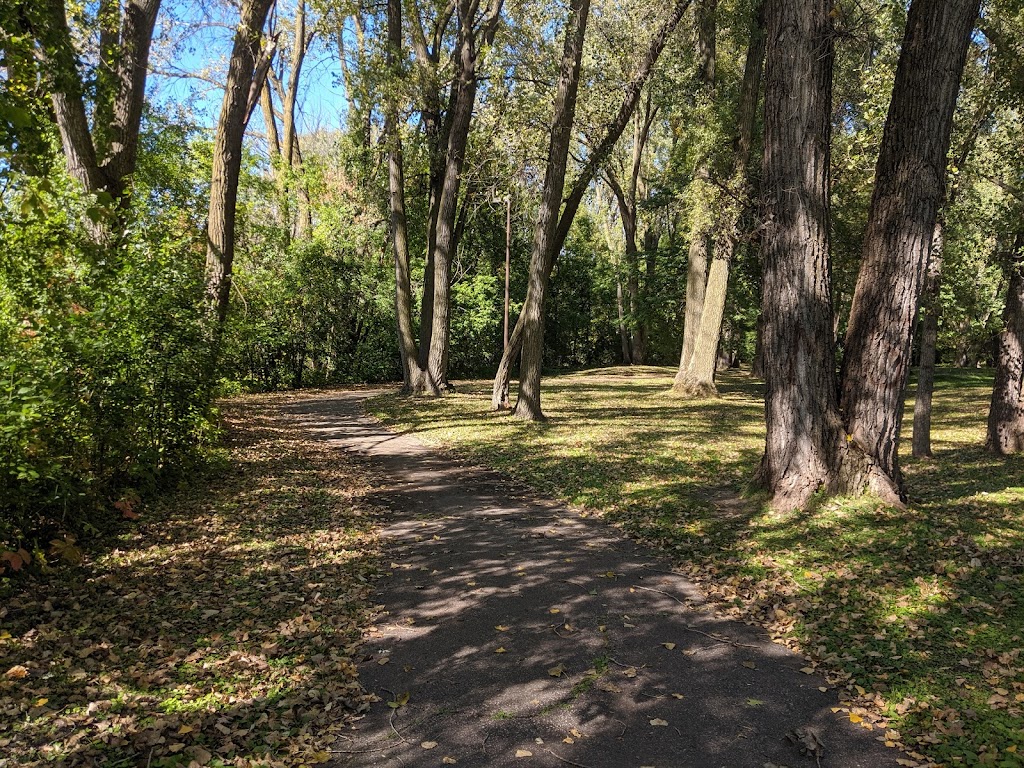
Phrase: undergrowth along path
(519, 633)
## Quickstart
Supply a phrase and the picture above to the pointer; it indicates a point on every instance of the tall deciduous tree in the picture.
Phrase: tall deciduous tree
(529, 326)
(447, 131)
(909, 188)
(696, 374)
(805, 448)
(1006, 413)
(101, 156)
(247, 68)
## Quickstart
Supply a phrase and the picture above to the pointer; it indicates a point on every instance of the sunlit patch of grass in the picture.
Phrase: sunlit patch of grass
(917, 617)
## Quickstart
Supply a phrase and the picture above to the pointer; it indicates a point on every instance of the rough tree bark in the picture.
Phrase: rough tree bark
(101, 159)
(247, 68)
(412, 374)
(1006, 413)
(909, 188)
(697, 378)
(805, 446)
(596, 159)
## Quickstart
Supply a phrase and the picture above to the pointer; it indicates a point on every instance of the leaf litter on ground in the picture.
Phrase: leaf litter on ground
(223, 630)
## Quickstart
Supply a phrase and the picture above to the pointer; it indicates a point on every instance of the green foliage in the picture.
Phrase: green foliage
(104, 358)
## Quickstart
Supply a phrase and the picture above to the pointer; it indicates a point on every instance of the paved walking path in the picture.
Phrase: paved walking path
(518, 633)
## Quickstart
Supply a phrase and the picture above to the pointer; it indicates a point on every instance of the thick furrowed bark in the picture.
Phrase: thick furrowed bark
(806, 450)
(1006, 413)
(909, 188)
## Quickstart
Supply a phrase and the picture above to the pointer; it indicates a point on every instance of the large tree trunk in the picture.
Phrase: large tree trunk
(241, 93)
(909, 188)
(805, 446)
(697, 377)
(542, 254)
(1006, 414)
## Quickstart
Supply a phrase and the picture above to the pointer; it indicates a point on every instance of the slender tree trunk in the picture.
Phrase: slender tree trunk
(922, 442)
(412, 374)
(1006, 414)
(542, 254)
(805, 446)
(239, 99)
(579, 188)
(697, 264)
(627, 358)
(697, 377)
(909, 188)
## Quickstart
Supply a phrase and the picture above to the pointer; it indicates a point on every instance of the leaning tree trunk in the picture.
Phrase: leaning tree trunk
(542, 255)
(805, 446)
(697, 377)
(572, 203)
(909, 188)
(240, 97)
(1006, 414)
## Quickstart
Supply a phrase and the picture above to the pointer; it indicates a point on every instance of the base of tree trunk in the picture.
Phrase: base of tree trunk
(526, 413)
(857, 474)
(689, 388)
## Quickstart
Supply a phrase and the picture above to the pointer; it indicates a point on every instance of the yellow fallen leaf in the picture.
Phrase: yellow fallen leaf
(678, 696)
(659, 722)
(807, 670)
(557, 671)
(502, 628)
(186, 729)
(554, 610)
(855, 718)
(5, 636)
(524, 753)
(500, 650)
(670, 646)
(40, 702)
(428, 744)
(449, 760)
(569, 740)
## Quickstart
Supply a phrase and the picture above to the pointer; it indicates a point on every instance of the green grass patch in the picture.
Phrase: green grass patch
(917, 617)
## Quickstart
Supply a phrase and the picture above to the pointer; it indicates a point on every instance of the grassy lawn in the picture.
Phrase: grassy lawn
(917, 617)
(218, 631)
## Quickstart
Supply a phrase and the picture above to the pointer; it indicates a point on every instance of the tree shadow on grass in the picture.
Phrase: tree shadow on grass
(920, 609)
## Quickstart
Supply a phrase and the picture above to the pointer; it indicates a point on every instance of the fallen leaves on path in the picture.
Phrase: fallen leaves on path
(219, 632)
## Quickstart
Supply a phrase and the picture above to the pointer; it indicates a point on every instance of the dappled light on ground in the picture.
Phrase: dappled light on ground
(917, 616)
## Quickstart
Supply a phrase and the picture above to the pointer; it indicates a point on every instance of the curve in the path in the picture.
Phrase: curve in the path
(525, 635)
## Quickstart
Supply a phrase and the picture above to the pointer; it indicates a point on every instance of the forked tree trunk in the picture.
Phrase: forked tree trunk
(1006, 414)
(241, 93)
(805, 447)
(697, 263)
(104, 159)
(909, 188)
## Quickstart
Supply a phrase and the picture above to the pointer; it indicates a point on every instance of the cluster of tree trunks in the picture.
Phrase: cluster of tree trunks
(814, 443)
(425, 370)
